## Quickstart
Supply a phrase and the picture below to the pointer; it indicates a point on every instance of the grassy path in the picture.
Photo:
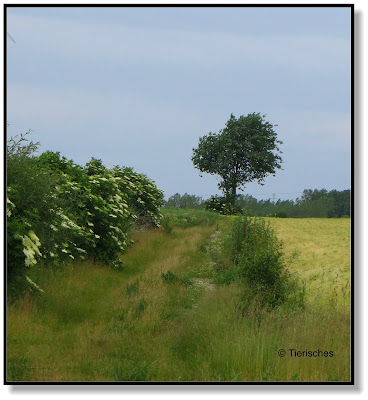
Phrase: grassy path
(93, 323)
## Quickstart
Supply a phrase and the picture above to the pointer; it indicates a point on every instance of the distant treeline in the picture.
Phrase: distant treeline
(312, 204)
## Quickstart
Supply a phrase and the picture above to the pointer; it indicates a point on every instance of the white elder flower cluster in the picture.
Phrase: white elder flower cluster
(9, 207)
(31, 245)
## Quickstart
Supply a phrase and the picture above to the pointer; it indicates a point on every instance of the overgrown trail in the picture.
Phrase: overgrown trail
(154, 251)
(162, 318)
(93, 323)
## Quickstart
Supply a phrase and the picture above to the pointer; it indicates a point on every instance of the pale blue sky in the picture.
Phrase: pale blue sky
(139, 86)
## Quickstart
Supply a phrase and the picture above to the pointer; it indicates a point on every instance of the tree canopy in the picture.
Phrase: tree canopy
(246, 150)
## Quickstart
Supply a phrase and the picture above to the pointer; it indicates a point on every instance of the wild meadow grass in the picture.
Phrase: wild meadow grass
(164, 318)
(94, 323)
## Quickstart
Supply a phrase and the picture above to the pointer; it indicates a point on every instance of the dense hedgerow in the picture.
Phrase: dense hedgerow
(58, 210)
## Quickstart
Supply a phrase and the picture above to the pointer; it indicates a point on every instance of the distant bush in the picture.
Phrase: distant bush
(222, 206)
(184, 201)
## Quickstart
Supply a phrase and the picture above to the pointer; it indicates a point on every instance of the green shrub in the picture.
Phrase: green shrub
(227, 276)
(222, 206)
(258, 255)
(171, 277)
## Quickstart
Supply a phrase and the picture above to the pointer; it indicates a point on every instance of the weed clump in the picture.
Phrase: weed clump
(171, 277)
(132, 288)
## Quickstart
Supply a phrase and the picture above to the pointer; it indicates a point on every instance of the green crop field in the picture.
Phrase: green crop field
(163, 317)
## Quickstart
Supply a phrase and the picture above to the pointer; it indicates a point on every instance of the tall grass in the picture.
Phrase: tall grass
(96, 324)
(221, 346)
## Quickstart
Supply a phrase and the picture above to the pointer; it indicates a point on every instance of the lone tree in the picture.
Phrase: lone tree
(246, 150)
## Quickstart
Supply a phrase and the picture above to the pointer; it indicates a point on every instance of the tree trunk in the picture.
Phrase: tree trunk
(232, 195)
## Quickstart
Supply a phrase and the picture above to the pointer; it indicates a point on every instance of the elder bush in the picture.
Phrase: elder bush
(58, 210)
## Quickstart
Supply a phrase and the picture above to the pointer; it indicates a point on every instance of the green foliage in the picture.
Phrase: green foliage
(312, 204)
(246, 150)
(143, 197)
(280, 214)
(185, 201)
(321, 203)
(171, 277)
(258, 260)
(222, 205)
(59, 211)
(227, 276)
(26, 186)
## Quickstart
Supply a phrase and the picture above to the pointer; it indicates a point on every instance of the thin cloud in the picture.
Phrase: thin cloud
(128, 45)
